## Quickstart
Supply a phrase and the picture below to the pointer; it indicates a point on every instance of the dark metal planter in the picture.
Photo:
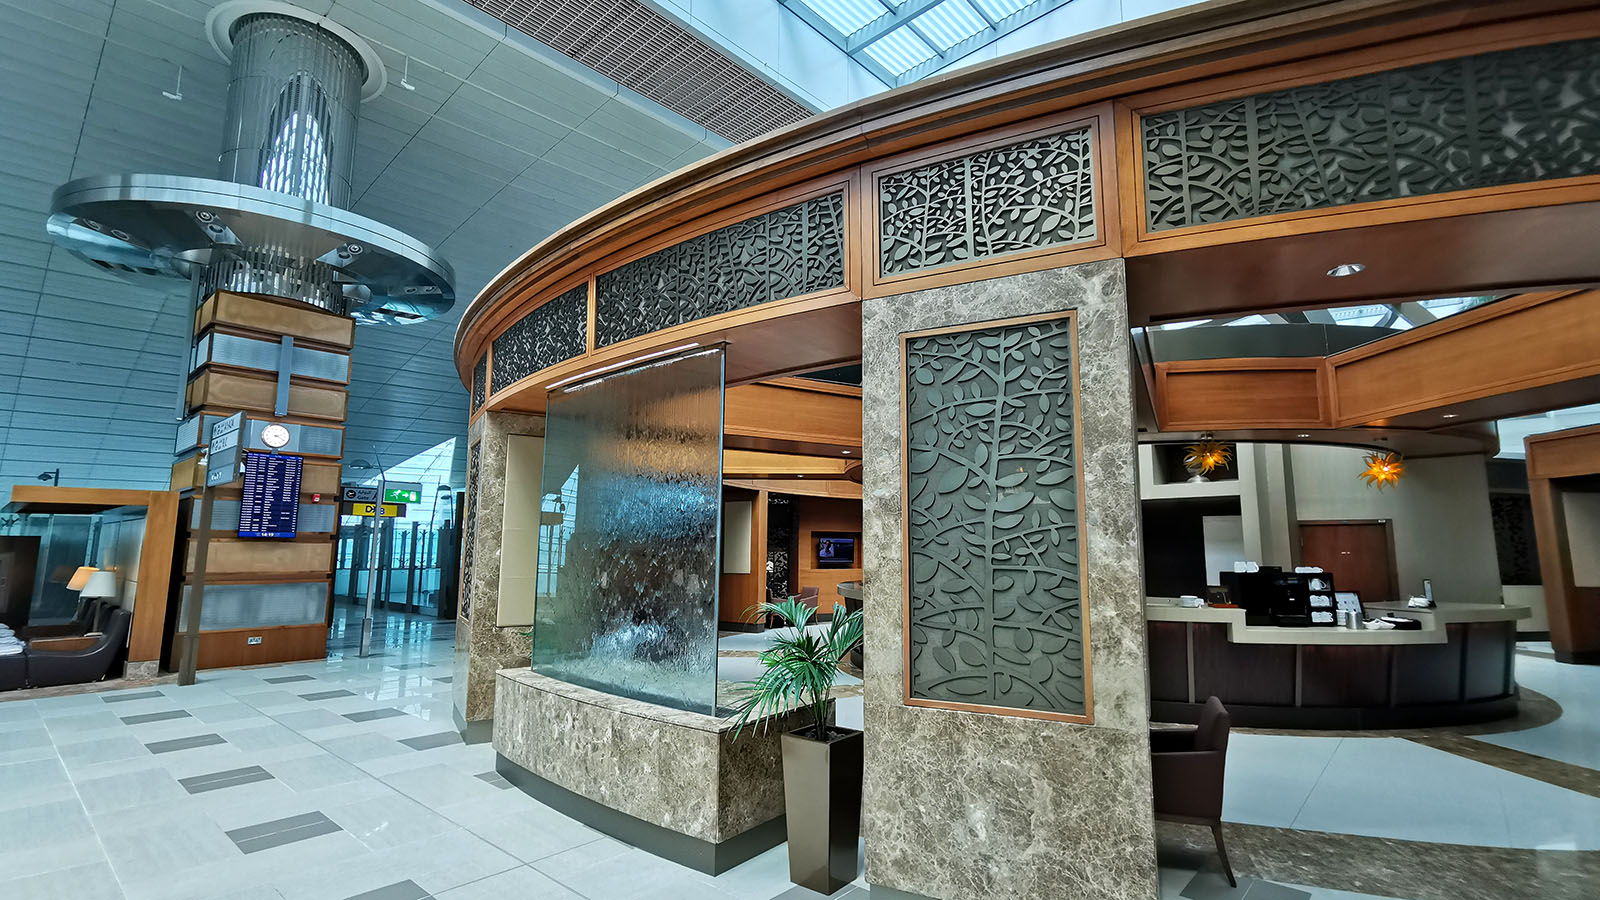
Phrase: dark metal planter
(822, 796)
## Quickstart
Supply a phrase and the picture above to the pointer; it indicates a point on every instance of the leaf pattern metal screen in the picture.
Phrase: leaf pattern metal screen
(469, 533)
(555, 331)
(1024, 196)
(480, 382)
(1479, 121)
(995, 615)
(784, 253)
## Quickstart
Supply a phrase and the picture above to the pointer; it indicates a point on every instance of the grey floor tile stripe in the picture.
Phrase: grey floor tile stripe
(255, 838)
(402, 890)
(430, 741)
(199, 784)
(155, 717)
(287, 679)
(326, 695)
(415, 665)
(367, 715)
(445, 679)
(187, 743)
(138, 695)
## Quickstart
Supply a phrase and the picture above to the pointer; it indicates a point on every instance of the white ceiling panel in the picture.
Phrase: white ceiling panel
(501, 142)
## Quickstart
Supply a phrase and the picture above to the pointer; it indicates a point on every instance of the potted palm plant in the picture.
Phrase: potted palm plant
(821, 761)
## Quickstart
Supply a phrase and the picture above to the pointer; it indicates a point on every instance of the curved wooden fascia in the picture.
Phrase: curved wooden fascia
(1196, 42)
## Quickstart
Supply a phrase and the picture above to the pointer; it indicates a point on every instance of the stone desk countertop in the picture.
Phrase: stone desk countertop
(1166, 609)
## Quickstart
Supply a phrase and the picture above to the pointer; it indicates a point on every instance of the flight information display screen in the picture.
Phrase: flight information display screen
(270, 507)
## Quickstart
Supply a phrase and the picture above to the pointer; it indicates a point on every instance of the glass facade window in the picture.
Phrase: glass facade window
(630, 533)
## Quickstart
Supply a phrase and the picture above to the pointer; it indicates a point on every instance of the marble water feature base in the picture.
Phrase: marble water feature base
(674, 783)
(482, 646)
(967, 805)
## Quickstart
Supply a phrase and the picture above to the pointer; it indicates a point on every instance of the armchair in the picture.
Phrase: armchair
(54, 667)
(1187, 767)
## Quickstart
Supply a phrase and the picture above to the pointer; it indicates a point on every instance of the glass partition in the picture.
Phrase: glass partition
(630, 533)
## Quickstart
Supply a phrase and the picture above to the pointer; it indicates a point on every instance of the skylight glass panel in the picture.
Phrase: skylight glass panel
(999, 9)
(949, 23)
(849, 16)
(900, 51)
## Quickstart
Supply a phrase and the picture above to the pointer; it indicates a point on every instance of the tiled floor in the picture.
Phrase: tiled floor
(345, 778)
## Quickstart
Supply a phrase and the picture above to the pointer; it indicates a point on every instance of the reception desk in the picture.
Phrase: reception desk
(1458, 668)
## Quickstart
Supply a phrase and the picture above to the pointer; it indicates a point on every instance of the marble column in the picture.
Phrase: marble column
(482, 647)
(976, 805)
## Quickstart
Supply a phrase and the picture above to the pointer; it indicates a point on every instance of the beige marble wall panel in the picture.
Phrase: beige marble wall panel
(676, 769)
(487, 648)
(970, 806)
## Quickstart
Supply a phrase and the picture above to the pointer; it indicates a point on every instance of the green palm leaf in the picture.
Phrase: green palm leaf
(798, 667)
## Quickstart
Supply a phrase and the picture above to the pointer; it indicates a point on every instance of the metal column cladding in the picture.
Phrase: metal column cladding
(291, 115)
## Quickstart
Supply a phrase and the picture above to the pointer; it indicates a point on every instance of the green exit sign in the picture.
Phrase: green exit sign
(402, 495)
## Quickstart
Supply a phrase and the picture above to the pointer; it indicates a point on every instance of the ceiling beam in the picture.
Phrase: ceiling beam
(889, 21)
(978, 41)
(838, 39)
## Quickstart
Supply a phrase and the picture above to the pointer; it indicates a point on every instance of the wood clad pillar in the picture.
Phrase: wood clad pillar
(266, 600)
(1555, 459)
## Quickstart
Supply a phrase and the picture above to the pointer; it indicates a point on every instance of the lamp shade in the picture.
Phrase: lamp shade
(80, 578)
(101, 584)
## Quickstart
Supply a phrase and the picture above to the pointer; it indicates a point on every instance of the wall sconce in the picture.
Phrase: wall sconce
(1383, 469)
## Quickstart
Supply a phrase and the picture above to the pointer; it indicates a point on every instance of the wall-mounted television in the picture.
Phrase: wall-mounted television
(836, 551)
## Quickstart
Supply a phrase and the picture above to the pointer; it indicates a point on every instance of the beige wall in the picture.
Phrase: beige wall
(1583, 536)
(1440, 514)
(519, 541)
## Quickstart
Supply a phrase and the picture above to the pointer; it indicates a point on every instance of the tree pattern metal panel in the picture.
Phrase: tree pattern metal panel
(480, 382)
(1513, 116)
(1025, 196)
(784, 253)
(555, 331)
(469, 533)
(994, 615)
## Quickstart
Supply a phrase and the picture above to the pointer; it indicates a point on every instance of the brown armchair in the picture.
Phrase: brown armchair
(1187, 767)
(48, 668)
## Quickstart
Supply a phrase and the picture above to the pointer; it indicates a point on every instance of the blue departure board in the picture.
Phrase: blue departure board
(270, 507)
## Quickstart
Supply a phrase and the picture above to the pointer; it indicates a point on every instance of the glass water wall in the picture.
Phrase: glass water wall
(631, 524)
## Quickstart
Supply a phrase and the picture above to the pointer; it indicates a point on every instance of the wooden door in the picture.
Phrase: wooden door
(1360, 555)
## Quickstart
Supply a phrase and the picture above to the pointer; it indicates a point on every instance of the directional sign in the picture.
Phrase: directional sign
(393, 494)
(222, 451)
(390, 510)
(353, 494)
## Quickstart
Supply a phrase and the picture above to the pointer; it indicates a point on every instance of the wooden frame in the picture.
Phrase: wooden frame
(1412, 50)
(1108, 235)
(1071, 316)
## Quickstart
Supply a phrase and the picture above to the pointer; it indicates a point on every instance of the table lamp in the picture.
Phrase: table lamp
(101, 583)
(80, 578)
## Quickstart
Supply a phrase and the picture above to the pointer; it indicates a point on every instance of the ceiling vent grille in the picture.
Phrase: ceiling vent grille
(636, 46)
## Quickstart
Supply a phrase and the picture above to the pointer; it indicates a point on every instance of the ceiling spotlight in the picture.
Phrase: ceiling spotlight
(1450, 416)
(1303, 435)
(845, 452)
(1345, 270)
(799, 476)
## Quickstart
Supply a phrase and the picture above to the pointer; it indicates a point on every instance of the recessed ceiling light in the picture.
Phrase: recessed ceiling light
(1304, 435)
(845, 452)
(1450, 415)
(799, 476)
(1345, 270)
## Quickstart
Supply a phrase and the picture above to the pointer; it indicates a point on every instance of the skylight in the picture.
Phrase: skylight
(903, 40)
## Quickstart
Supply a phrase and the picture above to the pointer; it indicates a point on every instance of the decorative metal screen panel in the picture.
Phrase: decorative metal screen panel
(994, 610)
(1478, 121)
(480, 382)
(784, 253)
(556, 330)
(471, 530)
(1025, 196)
(632, 487)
